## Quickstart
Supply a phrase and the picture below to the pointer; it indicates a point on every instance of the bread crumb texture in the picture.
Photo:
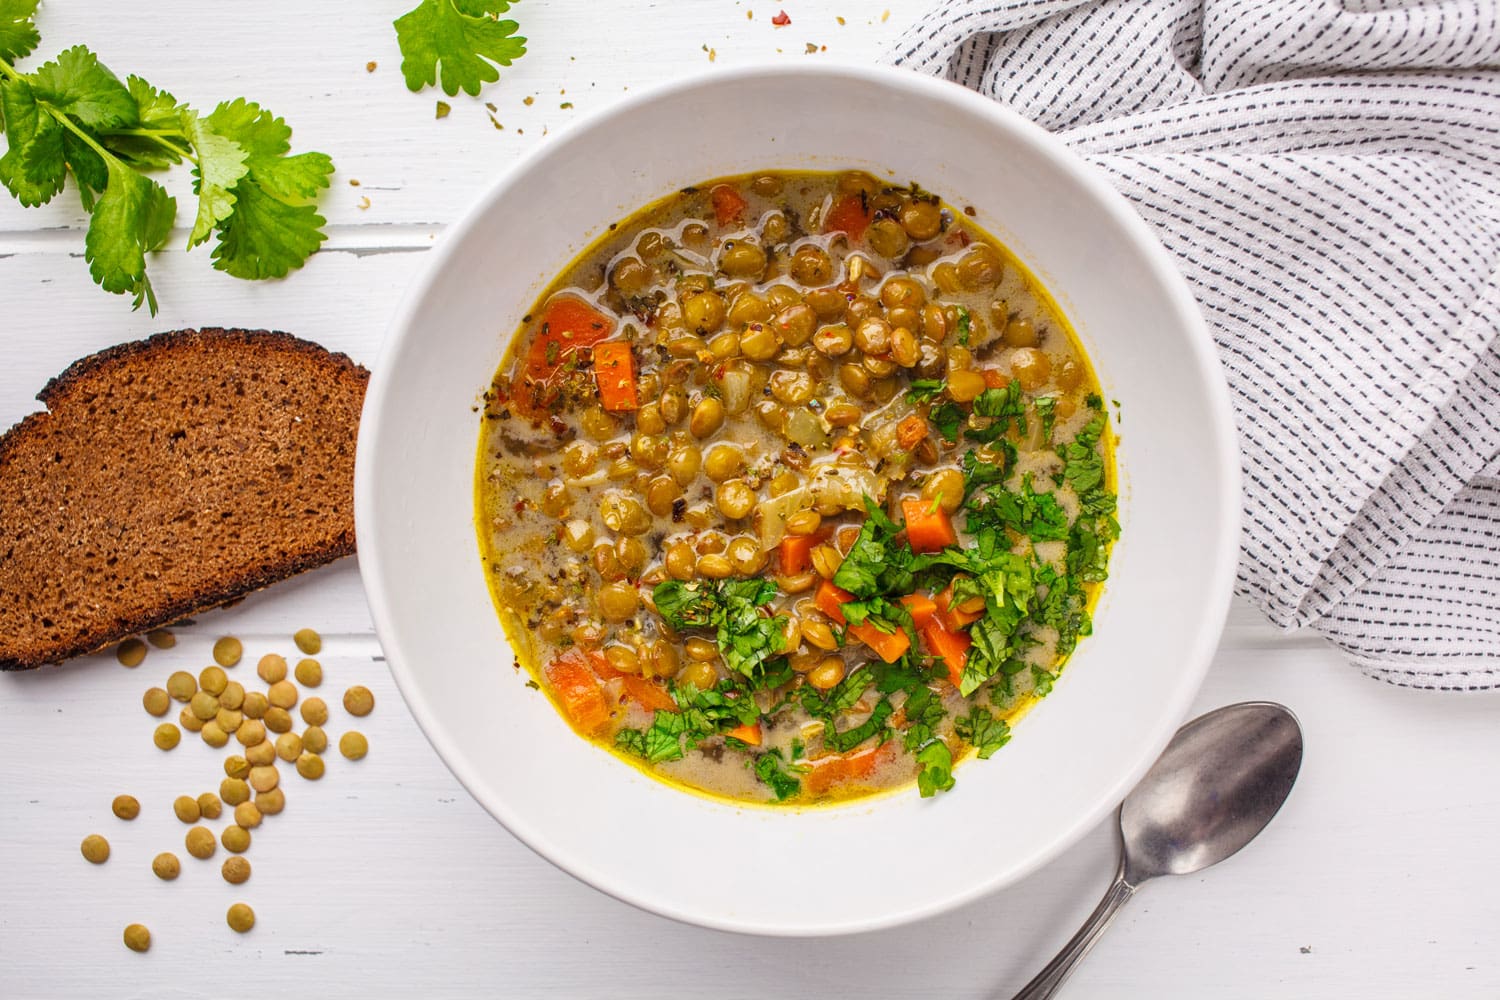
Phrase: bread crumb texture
(169, 476)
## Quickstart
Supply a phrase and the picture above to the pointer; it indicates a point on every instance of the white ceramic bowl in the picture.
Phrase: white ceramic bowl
(828, 870)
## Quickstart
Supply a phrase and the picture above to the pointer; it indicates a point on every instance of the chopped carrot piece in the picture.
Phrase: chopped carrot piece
(649, 694)
(601, 667)
(953, 618)
(928, 526)
(829, 772)
(729, 204)
(994, 378)
(614, 373)
(795, 551)
(566, 325)
(889, 646)
(577, 691)
(746, 734)
(849, 215)
(829, 598)
(910, 432)
(950, 647)
(922, 608)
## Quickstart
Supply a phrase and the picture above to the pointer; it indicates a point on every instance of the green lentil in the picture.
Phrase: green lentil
(137, 937)
(131, 652)
(125, 806)
(309, 673)
(156, 701)
(95, 848)
(308, 641)
(227, 651)
(241, 918)
(167, 736)
(166, 866)
(353, 745)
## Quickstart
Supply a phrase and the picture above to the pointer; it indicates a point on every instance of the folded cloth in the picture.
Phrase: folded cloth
(1327, 174)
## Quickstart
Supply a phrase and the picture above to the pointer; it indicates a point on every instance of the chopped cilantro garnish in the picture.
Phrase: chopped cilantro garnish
(983, 731)
(849, 739)
(965, 325)
(747, 639)
(771, 770)
(923, 390)
(937, 769)
(947, 418)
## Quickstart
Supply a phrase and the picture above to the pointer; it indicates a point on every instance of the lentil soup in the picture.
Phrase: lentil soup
(795, 487)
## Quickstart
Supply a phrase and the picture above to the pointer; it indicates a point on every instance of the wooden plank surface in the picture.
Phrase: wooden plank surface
(385, 878)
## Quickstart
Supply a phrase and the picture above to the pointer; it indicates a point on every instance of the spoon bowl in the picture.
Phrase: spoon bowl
(1216, 786)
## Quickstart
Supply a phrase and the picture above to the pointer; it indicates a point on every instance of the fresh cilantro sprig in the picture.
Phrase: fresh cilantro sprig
(748, 640)
(460, 41)
(73, 116)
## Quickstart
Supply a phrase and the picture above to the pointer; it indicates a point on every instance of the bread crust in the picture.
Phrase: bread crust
(217, 584)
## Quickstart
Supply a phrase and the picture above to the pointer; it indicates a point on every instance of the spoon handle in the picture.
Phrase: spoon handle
(1049, 979)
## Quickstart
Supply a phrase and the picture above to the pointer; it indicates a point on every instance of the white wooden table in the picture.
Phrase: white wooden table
(1377, 880)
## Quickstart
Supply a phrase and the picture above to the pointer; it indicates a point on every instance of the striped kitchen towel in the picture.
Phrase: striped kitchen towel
(1327, 173)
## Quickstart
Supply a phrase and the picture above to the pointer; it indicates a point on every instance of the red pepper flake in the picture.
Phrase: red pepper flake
(781, 20)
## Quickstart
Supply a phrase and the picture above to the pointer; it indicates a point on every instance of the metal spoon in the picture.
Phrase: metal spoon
(1216, 786)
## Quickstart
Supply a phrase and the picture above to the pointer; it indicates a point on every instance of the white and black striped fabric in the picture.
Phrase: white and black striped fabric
(1327, 173)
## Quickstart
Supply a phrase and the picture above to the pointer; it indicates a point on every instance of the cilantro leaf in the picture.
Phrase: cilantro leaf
(221, 164)
(983, 731)
(1003, 406)
(923, 390)
(747, 639)
(1038, 516)
(937, 769)
(771, 770)
(849, 739)
(965, 325)
(133, 217)
(77, 84)
(18, 34)
(876, 565)
(1046, 409)
(947, 418)
(34, 166)
(463, 39)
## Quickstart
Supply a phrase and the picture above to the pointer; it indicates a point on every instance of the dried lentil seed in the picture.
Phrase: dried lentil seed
(272, 802)
(289, 746)
(271, 668)
(125, 806)
(161, 638)
(240, 917)
(166, 736)
(353, 745)
(131, 652)
(255, 705)
(278, 719)
(315, 711)
(283, 694)
(261, 754)
(314, 739)
(308, 641)
(359, 701)
(310, 766)
(236, 766)
(156, 701)
(182, 685)
(227, 651)
(213, 734)
(186, 808)
(187, 720)
(235, 870)
(95, 849)
(166, 866)
(234, 791)
(235, 839)
(137, 937)
(309, 673)
(199, 842)
(264, 778)
(251, 732)
(247, 815)
(204, 705)
(209, 805)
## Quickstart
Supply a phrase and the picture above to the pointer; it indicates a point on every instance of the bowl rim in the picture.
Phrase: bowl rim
(1205, 364)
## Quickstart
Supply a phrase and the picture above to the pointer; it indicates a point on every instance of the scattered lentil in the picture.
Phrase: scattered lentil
(166, 866)
(200, 842)
(250, 732)
(182, 685)
(255, 705)
(187, 720)
(186, 808)
(125, 807)
(95, 849)
(204, 705)
(310, 766)
(166, 736)
(289, 746)
(261, 754)
(234, 791)
(213, 680)
(156, 701)
(278, 719)
(209, 805)
(137, 937)
(161, 638)
(271, 668)
(235, 839)
(131, 652)
(272, 802)
(358, 700)
(283, 694)
(309, 641)
(309, 673)
(229, 719)
(353, 745)
(314, 739)
(315, 711)
(235, 870)
(236, 766)
(213, 734)
(233, 697)
(265, 778)
(228, 650)
(241, 918)
(247, 815)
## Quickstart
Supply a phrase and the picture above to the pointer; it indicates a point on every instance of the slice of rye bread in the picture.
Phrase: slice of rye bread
(169, 476)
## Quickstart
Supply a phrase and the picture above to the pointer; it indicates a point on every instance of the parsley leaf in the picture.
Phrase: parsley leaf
(924, 390)
(1003, 406)
(849, 739)
(947, 418)
(937, 769)
(876, 565)
(747, 639)
(983, 731)
(72, 115)
(771, 770)
(465, 40)
(1046, 408)
(1038, 516)
(18, 34)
